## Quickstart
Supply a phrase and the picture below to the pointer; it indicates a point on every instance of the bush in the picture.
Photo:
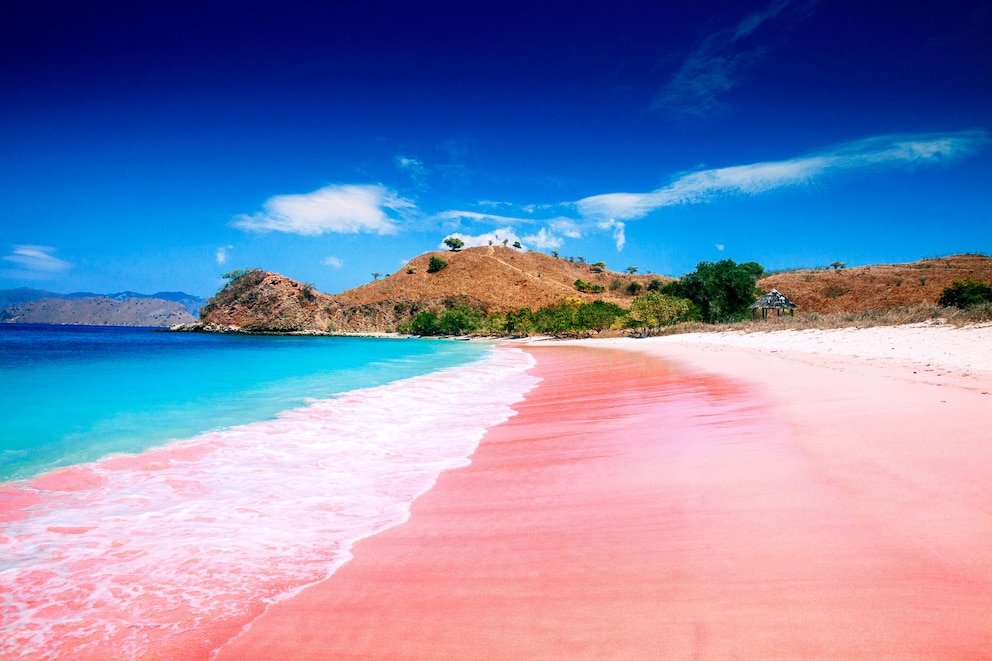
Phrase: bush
(634, 288)
(653, 310)
(423, 323)
(459, 320)
(588, 287)
(964, 294)
(435, 264)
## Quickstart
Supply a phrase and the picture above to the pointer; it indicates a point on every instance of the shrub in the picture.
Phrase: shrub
(435, 264)
(634, 288)
(588, 287)
(965, 294)
(423, 323)
(598, 315)
(520, 322)
(459, 320)
(654, 309)
(834, 291)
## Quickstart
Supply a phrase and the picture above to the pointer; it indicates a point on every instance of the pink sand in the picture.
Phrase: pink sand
(737, 506)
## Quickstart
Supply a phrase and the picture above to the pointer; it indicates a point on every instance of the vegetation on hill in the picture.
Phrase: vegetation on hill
(496, 290)
(965, 294)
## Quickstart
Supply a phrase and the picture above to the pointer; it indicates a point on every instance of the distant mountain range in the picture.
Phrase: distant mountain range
(26, 305)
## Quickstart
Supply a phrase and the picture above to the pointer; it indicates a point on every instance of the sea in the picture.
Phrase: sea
(158, 490)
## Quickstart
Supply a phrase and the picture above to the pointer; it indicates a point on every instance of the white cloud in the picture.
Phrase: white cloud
(720, 247)
(333, 262)
(543, 240)
(705, 185)
(36, 260)
(566, 226)
(222, 254)
(338, 208)
(494, 238)
(619, 234)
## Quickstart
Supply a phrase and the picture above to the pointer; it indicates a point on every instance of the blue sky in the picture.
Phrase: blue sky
(156, 147)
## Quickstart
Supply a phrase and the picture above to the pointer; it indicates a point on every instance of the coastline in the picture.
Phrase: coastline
(686, 496)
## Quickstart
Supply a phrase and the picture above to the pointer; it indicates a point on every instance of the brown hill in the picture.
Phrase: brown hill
(98, 311)
(878, 287)
(499, 278)
(494, 278)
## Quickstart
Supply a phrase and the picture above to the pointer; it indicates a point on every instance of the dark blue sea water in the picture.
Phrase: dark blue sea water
(72, 394)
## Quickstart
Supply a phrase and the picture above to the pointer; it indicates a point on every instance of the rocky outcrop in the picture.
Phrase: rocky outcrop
(260, 301)
(264, 302)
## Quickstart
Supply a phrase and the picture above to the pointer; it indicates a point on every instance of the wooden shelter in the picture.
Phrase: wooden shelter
(773, 300)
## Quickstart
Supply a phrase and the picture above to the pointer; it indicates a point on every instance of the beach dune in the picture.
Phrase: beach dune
(690, 498)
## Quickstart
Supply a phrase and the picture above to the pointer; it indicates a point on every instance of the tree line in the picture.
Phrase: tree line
(714, 292)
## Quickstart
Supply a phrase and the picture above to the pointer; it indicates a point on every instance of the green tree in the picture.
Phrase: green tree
(424, 323)
(455, 243)
(965, 294)
(435, 264)
(375, 275)
(516, 244)
(722, 290)
(459, 320)
(598, 315)
(520, 322)
(632, 270)
(654, 309)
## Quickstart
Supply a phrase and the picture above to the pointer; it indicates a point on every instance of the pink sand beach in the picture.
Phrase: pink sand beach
(775, 496)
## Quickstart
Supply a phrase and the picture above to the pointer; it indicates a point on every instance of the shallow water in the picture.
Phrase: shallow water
(175, 549)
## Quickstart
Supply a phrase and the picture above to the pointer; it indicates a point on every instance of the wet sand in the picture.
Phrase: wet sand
(670, 500)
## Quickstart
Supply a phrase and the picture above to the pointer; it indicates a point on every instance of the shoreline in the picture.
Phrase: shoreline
(659, 498)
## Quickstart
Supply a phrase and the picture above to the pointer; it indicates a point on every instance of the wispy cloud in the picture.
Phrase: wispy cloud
(719, 246)
(333, 262)
(222, 254)
(722, 58)
(413, 167)
(339, 208)
(36, 261)
(619, 231)
(755, 178)
(481, 217)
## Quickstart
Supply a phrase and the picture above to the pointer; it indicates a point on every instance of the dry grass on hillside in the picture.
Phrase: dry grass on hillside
(880, 287)
(917, 314)
(502, 278)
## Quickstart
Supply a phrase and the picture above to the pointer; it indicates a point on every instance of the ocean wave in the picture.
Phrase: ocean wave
(178, 547)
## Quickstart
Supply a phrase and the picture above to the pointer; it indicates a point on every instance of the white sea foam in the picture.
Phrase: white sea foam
(129, 553)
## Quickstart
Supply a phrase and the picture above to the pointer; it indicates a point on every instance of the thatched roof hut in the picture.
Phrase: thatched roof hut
(773, 300)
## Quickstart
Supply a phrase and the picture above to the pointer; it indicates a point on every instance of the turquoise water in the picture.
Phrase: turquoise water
(71, 394)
